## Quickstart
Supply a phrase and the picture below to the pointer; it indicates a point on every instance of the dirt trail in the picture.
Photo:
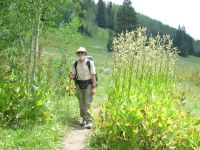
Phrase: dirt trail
(75, 140)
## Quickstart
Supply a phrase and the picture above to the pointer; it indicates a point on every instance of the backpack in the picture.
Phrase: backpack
(89, 67)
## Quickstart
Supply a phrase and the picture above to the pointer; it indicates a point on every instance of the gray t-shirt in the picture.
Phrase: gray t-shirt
(83, 71)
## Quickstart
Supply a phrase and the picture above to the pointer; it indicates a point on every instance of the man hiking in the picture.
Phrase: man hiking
(83, 73)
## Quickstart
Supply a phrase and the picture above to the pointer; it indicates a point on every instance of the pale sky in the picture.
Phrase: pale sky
(171, 12)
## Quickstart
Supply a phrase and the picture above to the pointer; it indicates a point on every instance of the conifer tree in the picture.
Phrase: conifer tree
(184, 42)
(101, 14)
(126, 18)
(110, 16)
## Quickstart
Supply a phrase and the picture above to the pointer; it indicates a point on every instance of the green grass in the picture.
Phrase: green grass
(49, 135)
(187, 67)
(193, 99)
(46, 135)
(191, 60)
(189, 64)
(97, 47)
(36, 137)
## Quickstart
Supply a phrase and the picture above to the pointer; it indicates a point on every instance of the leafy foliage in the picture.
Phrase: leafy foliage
(24, 100)
(37, 121)
(142, 109)
(17, 104)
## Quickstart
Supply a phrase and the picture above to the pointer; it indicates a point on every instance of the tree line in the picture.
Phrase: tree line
(119, 18)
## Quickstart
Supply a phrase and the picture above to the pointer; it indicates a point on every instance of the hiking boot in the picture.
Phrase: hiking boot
(82, 122)
(88, 125)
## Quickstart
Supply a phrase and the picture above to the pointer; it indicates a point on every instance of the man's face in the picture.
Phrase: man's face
(81, 56)
(81, 53)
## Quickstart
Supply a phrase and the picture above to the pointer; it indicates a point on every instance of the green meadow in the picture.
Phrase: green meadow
(49, 135)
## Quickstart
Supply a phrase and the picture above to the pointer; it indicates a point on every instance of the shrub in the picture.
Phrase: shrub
(17, 103)
(141, 111)
(110, 40)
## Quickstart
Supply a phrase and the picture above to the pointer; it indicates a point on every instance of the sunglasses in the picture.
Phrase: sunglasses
(81, 53)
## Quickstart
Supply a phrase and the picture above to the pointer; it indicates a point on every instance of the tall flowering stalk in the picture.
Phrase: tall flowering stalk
(141, 112)
(138, 59)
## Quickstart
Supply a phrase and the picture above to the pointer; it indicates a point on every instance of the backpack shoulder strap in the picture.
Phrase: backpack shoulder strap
(88, 64)
(75, 66)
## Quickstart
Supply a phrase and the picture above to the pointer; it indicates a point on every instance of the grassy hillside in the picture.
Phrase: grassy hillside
(188, 92)
(54, 47)
(190, 72)
(48, 135)
(192, 63)
(96, 47)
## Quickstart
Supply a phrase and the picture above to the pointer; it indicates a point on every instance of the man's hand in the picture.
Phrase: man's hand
(71, 76)
(93, 84)
(93, 91)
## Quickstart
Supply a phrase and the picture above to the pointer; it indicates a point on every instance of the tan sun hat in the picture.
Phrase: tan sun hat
(81, 49)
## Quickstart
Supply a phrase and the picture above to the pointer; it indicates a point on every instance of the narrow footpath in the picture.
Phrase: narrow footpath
(75, 140)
